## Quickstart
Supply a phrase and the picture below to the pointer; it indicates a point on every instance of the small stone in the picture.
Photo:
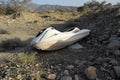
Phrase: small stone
(9, 78)
(91, 73)
(51, 76)
(66, 78)
(51, 67)
(91, 58)
(112, 73)
(18, 65)
(108, 78)
(48, 71)
(3, 73)
(28, 78)
(37, 65)
(76, 77)
(70, 67)
(114, 44)
(19, 76)
(6, 67)
(113, 62)
(77, 61)
(117, 71)
(100, 60)
(43, 75)
(75, 46)
(117, 53)
(103, 69)
(66, 72)
(114, 37)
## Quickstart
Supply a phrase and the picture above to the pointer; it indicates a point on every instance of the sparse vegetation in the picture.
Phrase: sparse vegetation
(27, 58)
(92, 6)
(12, 6)
(60, 15)
(22, 57)
(18, 63)
(20, 66)
(84, 9)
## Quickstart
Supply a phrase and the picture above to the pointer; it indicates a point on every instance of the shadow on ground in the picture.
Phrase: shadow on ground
(15, 45)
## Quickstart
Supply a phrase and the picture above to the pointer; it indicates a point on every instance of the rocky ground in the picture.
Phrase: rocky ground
(98, 60)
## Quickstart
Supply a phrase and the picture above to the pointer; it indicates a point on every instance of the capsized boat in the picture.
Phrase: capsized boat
(52, 39)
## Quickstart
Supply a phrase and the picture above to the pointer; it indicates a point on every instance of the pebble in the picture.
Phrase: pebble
(117, 53)
(113, 62)
(51, 76)
(37, 65)
(66, 72)
(43, 75)
(66, 78)
(90, 72)
(117, 71)
(3, 73)
(91, 58)
(28, 78)
(77, 61)
(114, 44)
(19, 76)
(114, 37)
(112, 73)
(76, 77)
(103, 69)
(100, 60)
(70, 67)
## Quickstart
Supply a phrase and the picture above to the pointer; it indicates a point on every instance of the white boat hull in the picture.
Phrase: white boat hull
(59, 40)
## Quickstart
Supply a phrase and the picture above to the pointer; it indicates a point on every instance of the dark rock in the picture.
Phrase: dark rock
(104, 37)
(108, 78)
(114, 37)
(113, 62)
(117, 52)
(117, 72)
(112, 73)
(100, 60)
(91, 58)
(43, 76)
(103, 69)
(28, 78)
(3, 73)
(77, 61)
(114, 44)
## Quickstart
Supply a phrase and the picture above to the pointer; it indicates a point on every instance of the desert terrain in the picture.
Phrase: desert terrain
(98, 60)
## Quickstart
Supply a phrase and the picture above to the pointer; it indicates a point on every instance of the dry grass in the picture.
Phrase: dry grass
(61, 16)
(19, 57)
(30, 24)
(26, 58)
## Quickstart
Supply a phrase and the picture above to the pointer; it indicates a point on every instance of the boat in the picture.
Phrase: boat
(52, 39)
